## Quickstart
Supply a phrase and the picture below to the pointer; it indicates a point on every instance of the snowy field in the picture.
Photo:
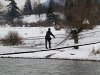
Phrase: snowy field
(33, 40)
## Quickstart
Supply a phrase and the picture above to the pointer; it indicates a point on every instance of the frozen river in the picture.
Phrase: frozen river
(10, 66)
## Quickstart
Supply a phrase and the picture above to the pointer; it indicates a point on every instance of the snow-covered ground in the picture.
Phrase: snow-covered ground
(33, 40)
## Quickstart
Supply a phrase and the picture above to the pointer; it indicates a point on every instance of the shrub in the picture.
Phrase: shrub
(11, 39)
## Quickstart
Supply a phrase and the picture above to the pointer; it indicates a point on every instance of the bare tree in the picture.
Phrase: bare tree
(79, 15)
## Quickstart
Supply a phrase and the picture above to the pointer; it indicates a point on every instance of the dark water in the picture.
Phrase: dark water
(48, 67)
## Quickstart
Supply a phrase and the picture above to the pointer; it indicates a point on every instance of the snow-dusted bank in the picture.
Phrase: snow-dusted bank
(31, 43)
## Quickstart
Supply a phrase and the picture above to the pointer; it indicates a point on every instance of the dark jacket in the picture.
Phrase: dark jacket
(47, 37)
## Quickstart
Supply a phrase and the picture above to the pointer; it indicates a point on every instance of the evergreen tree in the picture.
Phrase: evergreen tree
(50, 14)
(39, 9)
(13, 11)
(27, 8)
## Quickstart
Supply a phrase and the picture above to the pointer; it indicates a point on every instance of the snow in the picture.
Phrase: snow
(34, 18)
(33, 40)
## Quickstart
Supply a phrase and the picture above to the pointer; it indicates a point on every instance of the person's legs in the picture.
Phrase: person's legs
(46, 44)
(49, 43)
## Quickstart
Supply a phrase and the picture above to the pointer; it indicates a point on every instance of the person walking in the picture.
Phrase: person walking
(48, 38)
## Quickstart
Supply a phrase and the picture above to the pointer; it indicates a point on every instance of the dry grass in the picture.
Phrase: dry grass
(11, 39)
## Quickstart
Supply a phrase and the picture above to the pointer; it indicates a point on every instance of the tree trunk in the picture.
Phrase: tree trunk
(76, 40)
(74, 34)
